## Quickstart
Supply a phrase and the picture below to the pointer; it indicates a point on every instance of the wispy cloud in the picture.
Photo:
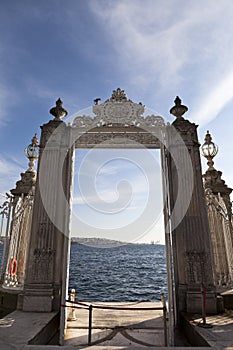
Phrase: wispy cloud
(212, 103)
(9, 173)
(37, 89)
(4, 100)
(150, 36)
(181, 47)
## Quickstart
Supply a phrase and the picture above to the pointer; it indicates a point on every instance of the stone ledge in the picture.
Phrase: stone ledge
(219, 336)
(228, 299)
(21, 328)
(70, 347)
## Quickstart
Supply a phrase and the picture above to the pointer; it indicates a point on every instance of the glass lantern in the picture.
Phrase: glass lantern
(32, 152)
(209, 150)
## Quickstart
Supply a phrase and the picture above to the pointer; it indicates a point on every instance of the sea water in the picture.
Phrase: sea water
(134, 272)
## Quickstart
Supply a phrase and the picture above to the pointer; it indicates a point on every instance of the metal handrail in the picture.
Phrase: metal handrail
(90, 307)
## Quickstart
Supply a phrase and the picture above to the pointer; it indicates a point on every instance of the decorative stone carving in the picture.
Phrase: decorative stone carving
(118, 95)
(221, 239)
(213, 180)
(82, 121)
(43, 265)
(117, 111)
(196, 268)
(154, 120)
(25, 185)
(106, 139)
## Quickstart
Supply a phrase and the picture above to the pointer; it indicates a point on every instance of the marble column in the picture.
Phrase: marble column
(45, 273)
(193, 259)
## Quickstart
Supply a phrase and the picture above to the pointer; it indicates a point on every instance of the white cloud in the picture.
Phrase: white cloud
(43, 91)
(109, 193)
(212, 103)
(9, 173)
(4, 100)
(173, 46)
(7, 167)
(145, 33)
(38, 89)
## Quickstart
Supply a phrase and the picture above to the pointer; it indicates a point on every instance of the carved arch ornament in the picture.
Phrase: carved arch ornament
(117, 112)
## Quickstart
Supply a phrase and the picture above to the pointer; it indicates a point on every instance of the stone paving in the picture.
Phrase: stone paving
(112, 331)
(128, 328)
(220, 335)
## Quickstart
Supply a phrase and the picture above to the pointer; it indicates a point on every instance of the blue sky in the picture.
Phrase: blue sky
(80, 50)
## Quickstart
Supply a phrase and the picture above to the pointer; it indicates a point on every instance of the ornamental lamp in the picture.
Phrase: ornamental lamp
(209, 150)
(32, 153)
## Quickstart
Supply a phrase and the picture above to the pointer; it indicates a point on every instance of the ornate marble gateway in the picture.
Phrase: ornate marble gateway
(118, 122)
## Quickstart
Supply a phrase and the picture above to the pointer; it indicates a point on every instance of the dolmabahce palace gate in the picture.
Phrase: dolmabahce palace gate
(197, 208)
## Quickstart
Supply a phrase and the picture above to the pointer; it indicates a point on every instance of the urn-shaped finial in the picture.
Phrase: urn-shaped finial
(58, 112)
(178, 110)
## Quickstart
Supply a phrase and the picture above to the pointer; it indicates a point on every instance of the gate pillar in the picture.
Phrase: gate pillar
(46, 269)
(193, 260)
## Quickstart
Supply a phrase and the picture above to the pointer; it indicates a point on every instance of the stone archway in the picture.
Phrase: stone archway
(119, 123)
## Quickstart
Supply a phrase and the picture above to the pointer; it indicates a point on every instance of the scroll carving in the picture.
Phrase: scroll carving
(118, 111)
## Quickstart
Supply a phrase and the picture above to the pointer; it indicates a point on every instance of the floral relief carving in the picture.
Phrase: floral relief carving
(118, 111)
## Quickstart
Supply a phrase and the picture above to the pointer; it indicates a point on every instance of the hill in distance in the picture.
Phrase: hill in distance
(102, 242)
(97, 242)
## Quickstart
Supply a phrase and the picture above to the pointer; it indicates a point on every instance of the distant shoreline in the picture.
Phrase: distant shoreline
(95, 241)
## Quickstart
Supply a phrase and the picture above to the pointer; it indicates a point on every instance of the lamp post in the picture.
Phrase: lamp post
(32, 153)
(209, 150)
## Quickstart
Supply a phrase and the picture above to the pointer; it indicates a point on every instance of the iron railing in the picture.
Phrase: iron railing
(90, 307)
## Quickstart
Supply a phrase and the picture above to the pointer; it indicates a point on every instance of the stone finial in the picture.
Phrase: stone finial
(35, 140)
(58, 112)
(118, 95)
(178, 110)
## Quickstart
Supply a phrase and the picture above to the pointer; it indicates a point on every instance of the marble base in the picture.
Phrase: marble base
(37, 300)
(195, 302)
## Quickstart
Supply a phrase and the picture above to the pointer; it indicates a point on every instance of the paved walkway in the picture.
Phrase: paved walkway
(220, 335)
(127, 328)
(112, 330)
(19, 328)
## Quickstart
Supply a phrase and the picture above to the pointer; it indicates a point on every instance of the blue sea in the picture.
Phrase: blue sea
(134, 272)
(124, 273)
